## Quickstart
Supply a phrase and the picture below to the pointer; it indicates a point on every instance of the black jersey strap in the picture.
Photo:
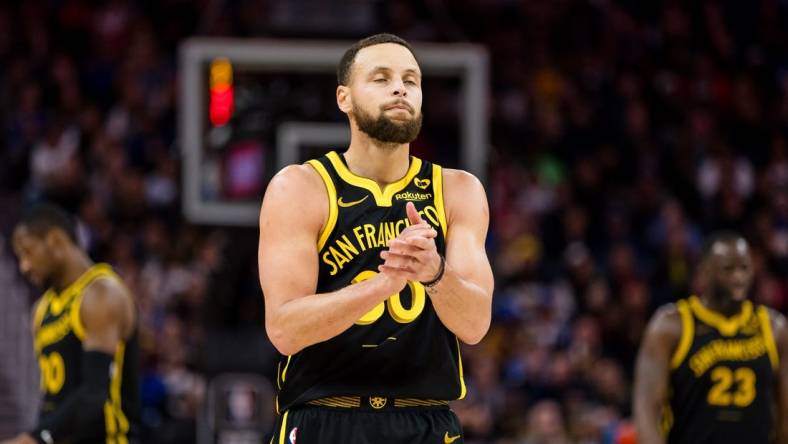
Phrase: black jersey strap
(331, 189)
(768, 337)
(687, 334)
(82, 412)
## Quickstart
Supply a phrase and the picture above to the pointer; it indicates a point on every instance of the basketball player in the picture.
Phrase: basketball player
(84, 329)
(373, 265)
(712, 369)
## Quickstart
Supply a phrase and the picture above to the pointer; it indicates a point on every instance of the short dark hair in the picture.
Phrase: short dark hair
(41, 218)
(726, 236)
(346, 63)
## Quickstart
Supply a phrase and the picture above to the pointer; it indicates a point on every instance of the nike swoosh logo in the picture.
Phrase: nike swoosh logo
(450, 439)
(350, 204)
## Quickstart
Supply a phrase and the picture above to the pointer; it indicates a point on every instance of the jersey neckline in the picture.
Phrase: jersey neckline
(58, 300)
(382, 196)
(728, 326)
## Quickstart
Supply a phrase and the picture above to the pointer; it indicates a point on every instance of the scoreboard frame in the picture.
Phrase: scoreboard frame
(468, 62)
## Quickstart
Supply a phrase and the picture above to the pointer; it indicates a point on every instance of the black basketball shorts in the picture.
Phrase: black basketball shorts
(329, 425)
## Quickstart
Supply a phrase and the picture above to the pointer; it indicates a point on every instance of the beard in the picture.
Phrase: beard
(43, 282)
(386, 130)
(729, 294)
(47, 282)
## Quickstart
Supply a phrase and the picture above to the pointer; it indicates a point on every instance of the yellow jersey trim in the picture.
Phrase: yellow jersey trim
(98, 271)
(115, 419)
(59, 301)
(382, 197)
(332, 203)
(768, 337)
(437, 188)
(337, 401)
(417, 402)
(726, 326)
(41, 309)
(117, 381)
(687, 334)
(76, 320)
(67, 304)
(284, 371)
(350, 402)
(283, 429)
(109, 422)
(667, 420)
(463, 389)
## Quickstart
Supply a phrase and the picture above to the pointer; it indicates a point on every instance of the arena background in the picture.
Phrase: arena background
(618, 135)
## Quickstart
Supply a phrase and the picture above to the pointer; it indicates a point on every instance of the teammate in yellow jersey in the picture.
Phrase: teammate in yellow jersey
(712, 369)
(373, 267)
(85, 336)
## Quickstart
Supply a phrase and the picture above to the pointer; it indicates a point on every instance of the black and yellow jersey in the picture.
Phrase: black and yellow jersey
(400, 349)
(722, 377)
(58, 336)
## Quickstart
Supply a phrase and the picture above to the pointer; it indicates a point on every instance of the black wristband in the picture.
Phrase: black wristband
(96, 367)
(83, 410)
(438, 277)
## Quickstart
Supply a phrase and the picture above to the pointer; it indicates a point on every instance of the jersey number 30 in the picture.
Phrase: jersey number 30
(723, 379)
(53, 372)
(396, 310)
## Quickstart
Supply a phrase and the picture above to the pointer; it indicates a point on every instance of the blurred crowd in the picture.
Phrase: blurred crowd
(621, 135)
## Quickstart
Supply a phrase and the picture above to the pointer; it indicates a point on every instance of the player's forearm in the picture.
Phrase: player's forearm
(463, 306)
(782, 428)
(649, 433)
(647, 421)
(647, 407)
(308, 320)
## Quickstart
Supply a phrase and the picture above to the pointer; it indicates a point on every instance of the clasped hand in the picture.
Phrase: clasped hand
(412, 255)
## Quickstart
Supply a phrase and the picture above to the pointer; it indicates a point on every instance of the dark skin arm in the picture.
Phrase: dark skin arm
(652, 373)
(108, 315)
(780, 331)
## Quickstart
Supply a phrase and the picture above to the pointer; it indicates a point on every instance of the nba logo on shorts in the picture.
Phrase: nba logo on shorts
(293, 435)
